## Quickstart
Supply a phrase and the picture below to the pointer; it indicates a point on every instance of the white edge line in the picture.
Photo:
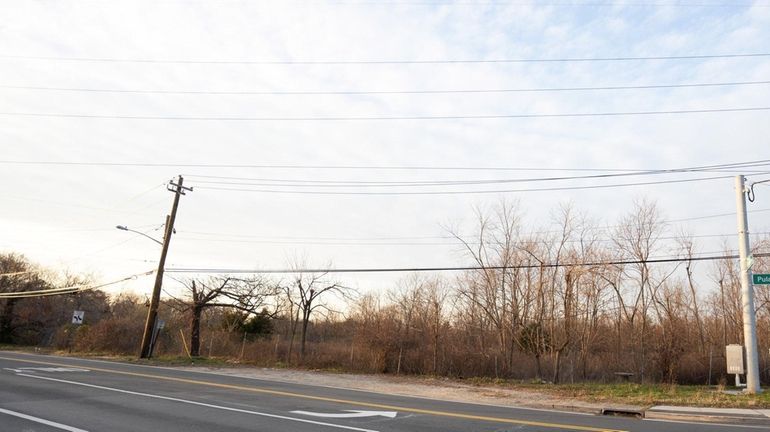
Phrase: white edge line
(195, 403)
(42, 421)
(286, 381)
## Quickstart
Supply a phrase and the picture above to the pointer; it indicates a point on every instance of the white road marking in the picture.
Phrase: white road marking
(349, 414)
(198, 403)
(288, 381)
(42, 421)
(46, 369)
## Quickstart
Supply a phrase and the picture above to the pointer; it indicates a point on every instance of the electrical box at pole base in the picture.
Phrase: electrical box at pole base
(735, 359)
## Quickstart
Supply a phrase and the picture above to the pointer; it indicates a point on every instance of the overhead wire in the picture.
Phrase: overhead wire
(360, 167)
(74, 289)
(224, 180)
(386, 118)
(73, 205)
(386, 238)
(455, 192)
(290, 185)
(459, 268)
(383, 92)
(574, 4)
(388, 62)
(395, 241)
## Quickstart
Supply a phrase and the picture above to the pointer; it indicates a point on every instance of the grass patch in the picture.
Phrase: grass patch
(645, 394)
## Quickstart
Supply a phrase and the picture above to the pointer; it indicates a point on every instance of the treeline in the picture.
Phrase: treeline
(574, 303)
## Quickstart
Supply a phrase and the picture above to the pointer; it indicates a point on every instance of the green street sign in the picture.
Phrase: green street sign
(761, 279)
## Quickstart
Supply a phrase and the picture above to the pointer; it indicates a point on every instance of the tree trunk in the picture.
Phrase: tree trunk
(195, 331)
(435, 354)
(294, 322)
(305, 322)
(557, 367)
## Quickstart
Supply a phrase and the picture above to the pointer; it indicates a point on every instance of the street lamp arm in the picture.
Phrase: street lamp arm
(125, 228)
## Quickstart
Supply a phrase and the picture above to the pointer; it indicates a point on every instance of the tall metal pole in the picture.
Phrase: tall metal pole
(747, 290)
(152, 313)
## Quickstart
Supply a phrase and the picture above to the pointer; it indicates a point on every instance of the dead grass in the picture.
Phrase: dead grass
(642, 394)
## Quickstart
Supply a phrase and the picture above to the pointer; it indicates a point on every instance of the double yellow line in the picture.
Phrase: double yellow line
(328, 399)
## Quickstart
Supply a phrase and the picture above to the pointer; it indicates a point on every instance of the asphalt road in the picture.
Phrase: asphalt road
(41, 393)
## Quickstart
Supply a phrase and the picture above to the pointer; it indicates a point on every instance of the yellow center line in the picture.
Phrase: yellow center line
(329, 399)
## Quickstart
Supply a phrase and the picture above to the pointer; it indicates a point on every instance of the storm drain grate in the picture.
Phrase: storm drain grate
(620, 412)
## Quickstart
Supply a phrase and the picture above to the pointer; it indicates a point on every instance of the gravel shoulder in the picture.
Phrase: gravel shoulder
(432, 388)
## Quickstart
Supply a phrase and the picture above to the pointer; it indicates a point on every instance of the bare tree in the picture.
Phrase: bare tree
(247, 295)
(636, 238)
(688, 247)
(308, 293)
(492, 289)
(435, 297)
(406, 302)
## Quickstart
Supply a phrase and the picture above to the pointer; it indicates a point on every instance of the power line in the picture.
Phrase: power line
(355, 183)
(381, 238)
(70, 289)
(394, 242)
(383, 92)
(466, 268)
(74, 205)
(347, 167)
(574, 4)
(388, 62)
(545, 189)
(383, 118)
(353, 240)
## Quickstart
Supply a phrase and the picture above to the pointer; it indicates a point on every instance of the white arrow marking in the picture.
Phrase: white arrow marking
(168, 398)
(349, 414)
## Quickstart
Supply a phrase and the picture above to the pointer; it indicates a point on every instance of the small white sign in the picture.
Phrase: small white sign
(77, 317)
(734, 359)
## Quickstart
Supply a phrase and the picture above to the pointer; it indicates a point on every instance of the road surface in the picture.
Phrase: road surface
(41, 393)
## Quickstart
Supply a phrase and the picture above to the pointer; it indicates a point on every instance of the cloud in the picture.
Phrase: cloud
(282, 31)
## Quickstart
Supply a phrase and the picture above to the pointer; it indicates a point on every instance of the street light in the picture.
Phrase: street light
(125, 228)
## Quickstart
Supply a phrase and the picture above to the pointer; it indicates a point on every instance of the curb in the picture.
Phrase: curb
(568, 408)
(706, 417)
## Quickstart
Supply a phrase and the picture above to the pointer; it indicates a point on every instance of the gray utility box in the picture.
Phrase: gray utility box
(735, 359)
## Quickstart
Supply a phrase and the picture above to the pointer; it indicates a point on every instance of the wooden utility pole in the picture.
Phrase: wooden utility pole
(152, 313)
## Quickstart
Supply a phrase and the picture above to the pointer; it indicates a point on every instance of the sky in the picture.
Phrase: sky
(103, 102)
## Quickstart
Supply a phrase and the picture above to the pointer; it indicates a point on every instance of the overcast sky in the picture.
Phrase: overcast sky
(235, 68)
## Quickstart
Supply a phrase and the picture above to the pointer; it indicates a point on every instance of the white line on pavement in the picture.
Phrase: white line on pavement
(289, 381)
(196, 403)
(349, 414)
(42, 421)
